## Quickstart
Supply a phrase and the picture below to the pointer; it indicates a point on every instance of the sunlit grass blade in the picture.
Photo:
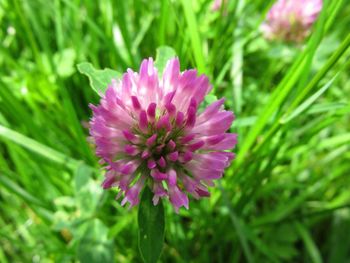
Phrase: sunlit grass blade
(305, 105)
(13, 187)
(37, 147)
(194, 35)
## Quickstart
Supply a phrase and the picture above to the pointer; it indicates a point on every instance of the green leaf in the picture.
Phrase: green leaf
(64, 62)
(99, 79)
(209, 99)
(82, 176)
(95, 245)
(87, 191)
(164, 53)
(151, 227)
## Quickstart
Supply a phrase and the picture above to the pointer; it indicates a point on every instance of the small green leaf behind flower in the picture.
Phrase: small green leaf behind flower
(164, 53)
(209, 99)
(99, 79)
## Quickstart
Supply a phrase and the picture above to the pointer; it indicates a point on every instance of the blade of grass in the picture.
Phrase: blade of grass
(305, 105)
(22, 193)
(238, 225)
(194, 34)
(38, 148)
(310, 245)
(334, 141)
(163, 21)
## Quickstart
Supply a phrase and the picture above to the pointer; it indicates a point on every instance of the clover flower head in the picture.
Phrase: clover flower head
(291, 20)
(148, 130)
(216, 5)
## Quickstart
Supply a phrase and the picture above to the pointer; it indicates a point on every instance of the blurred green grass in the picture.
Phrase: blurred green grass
(286, 197)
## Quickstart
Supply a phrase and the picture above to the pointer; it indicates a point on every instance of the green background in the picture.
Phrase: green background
(285, 198)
